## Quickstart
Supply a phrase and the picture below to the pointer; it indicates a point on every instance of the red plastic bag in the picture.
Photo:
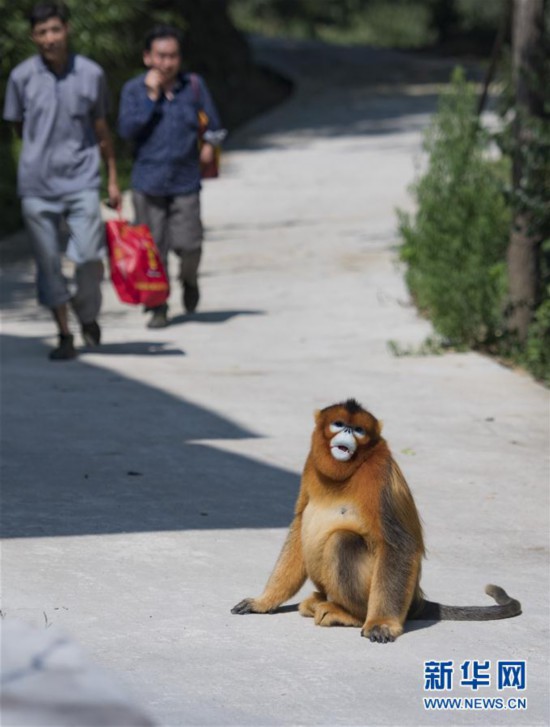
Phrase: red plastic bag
(137, 271)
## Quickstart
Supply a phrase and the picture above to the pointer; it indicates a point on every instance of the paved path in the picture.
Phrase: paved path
(147, 486)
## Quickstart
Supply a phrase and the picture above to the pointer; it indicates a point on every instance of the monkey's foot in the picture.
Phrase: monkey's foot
(382, 633)
(331, 614)
(308, 605)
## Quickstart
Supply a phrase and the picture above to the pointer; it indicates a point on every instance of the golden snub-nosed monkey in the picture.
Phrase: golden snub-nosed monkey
(357, 536)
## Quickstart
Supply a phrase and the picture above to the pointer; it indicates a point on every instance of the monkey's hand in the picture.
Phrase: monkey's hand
(250, 605)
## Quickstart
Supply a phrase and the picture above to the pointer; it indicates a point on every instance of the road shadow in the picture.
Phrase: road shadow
(218, 316)
(409, 626)
(346, 91)
(17, 285)
(134, 348)
(346, 112)
(89, 451)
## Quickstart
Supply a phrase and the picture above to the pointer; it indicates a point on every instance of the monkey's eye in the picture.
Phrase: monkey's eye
(359, 431)
(337, 426)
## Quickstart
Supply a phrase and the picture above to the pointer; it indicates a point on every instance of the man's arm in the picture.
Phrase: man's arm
(13, 106)
(108, 153)
(137, 111)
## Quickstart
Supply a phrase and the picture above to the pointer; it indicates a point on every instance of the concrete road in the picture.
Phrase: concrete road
(147, 486)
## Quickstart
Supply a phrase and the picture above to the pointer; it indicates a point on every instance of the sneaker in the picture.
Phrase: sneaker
(91, 333)
(65, 350)
(159, 319)
(190, 297)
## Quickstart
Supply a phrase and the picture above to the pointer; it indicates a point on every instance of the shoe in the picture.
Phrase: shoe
(190, 297)
(91, 333)
(159, 319)
(66, 350)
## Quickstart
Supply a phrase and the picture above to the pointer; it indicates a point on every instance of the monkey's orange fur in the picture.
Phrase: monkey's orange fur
(356, 534)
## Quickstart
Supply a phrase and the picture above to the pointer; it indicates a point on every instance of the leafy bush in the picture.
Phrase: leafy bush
(531, 196)
(398, 24)
(455, 243)
(537, 352)
(473, 16)
(401, 25)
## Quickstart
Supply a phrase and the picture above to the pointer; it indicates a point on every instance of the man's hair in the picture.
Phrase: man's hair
(45, 11)
(160, 32)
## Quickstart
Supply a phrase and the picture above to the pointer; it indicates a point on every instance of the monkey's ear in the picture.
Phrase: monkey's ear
(317, 415)
(379, 425)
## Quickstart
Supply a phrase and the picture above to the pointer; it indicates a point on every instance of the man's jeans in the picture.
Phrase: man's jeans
(85, 248)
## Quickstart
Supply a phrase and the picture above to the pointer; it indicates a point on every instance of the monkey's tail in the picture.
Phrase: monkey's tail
(506, 608)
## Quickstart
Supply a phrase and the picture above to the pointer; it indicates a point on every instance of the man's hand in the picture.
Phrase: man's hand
(115, 198)
(207, 153)
(108, 153)
(153, 84)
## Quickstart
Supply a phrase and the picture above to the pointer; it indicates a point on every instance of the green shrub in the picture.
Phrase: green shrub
(387, 23)
(398, 25)
(473, 16)
(455, 242)
(537, 351)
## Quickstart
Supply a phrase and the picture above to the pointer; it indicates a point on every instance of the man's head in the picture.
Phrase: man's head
(50, 31)
(163, 51)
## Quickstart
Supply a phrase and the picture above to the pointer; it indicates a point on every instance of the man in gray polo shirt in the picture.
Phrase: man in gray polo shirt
(58, 103)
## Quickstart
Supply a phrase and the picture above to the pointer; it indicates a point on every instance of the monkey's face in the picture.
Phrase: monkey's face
(343, 437)
(346, 439)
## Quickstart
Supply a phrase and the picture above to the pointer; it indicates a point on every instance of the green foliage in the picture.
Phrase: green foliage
(537, 351)
(15, 45)
(9, 208)
(431, 346)
(15, 42)
(388, 23)
(398, 24)
(531, 196)
(534, 196)
(99, 29)
(454, 245)
(473, 15)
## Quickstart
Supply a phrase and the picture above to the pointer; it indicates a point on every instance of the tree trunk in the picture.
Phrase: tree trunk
(522, 249)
